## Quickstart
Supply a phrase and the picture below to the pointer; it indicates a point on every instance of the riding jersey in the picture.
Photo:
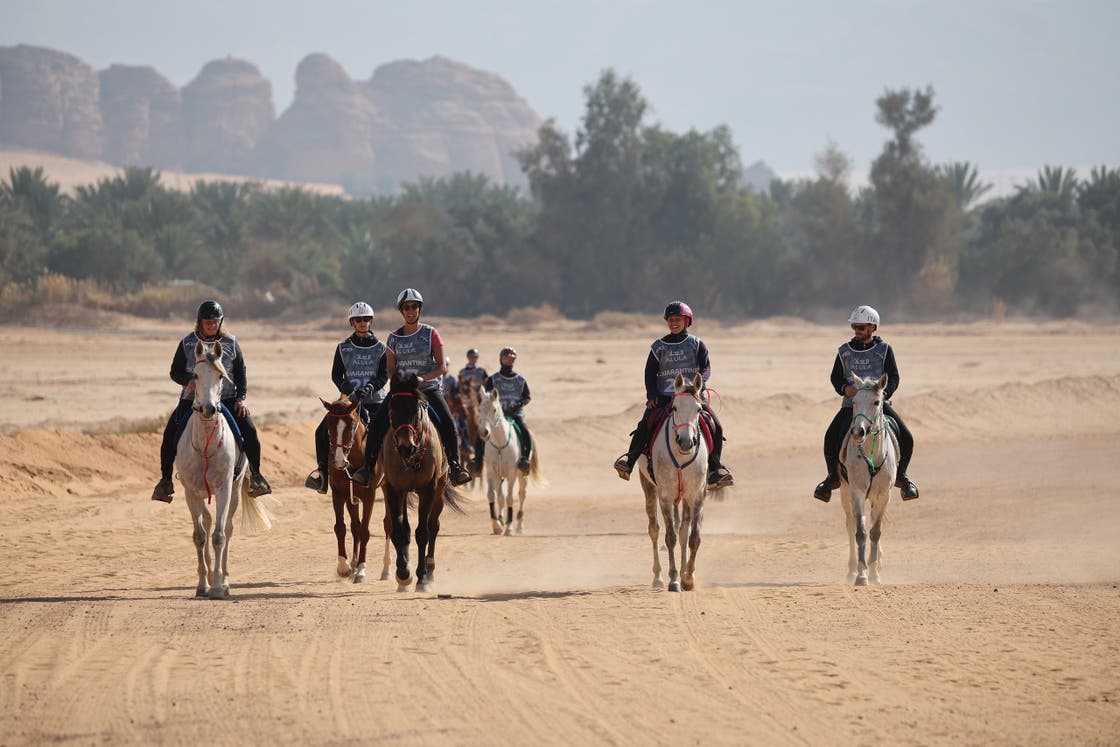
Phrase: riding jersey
(513, 390)
(472, 371)
(413, 353)
(684, 354)
(182, 366)
(869, 360)
(359, 360)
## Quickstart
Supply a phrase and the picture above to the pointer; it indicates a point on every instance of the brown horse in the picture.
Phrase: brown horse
(348, 438)
(468, 406)
(412, 461)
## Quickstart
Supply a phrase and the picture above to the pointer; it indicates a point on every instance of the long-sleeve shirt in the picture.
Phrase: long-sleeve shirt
(890, 367)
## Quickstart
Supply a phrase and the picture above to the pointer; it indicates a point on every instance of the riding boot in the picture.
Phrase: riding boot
(258, 485)
(823, 491)
(718, 475)
(363, 476)
(317, 480)
(479, 452)
(163, 491)
(909, 489)
(524, 463)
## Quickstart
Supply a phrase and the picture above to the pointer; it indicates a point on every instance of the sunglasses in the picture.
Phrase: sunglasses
(361, 319)
(860, 327)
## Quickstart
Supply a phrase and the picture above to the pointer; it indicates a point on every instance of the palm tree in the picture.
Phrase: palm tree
(41, 201)
(964, 182)
(1057, 180)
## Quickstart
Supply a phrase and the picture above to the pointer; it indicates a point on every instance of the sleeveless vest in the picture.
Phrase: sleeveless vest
(361, 366)
(675, 358)
(509, 388)
(866, 363)
(478, 373)
(413, 354)
(229, 352)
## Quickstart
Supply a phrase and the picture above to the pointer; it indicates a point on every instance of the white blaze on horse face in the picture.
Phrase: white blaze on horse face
(209, 374)
(487, 412)
(338, 454)
(867, 406)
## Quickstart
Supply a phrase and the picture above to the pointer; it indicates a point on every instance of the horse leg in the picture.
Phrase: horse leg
(688, 571)
(343, 569)
(859, 518)
(387, 524)
(399, 507)
(521, 482)
(423, 516)
(876, 554)
(493, 493)
(672, 524)
(651, 513)
(219, 588)
(433, 530)
(356, 540)
(200, 518)
(509, 502)
(850, 523)
(361, 531)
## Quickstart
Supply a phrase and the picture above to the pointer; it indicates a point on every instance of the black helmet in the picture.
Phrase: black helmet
(210, 310)
(473, 351)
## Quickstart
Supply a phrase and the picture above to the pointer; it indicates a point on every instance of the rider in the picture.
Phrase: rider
(415, 348)
(449, 385)
(208, 327)
(513, 392)
(472, 370)
(869, 356)
(678, 352)
(359, 373)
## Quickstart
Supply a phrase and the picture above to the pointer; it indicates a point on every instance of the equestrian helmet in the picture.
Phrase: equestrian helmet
(679, 308)
(409, 294)
(361, 308)
(472, 351)
(510, 351)
(210, 310)
(864, 315)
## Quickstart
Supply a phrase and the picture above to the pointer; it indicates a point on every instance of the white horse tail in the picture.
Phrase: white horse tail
(535, 473)
(257, 513)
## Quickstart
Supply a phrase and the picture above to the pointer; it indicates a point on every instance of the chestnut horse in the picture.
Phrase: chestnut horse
(412, 461)
(347, 435)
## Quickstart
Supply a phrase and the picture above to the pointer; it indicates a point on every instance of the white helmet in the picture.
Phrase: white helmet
(409, 294)
(361, 308)
(864, 315)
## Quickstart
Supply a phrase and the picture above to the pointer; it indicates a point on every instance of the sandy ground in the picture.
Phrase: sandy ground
(996, 623)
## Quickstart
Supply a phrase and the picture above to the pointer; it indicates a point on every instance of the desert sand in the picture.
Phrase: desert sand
(996, 622)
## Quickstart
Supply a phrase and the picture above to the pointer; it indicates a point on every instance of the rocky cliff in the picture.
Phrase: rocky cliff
(409, 120)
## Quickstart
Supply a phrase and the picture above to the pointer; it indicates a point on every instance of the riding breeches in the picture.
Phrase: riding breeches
(178, 420)
(838, 428)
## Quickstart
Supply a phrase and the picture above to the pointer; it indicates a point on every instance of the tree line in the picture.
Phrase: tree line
(623, 216)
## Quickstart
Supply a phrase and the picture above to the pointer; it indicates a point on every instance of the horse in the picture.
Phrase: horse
(869, 465)
(347, 435)
(412, 461)
(500, 457)
(210, 468)
(468, 406)
(677, 474)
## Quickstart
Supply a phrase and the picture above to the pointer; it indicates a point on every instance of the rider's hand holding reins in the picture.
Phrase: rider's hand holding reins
(240, 410)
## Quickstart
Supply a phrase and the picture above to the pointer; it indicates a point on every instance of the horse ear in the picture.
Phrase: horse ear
(678, 383)
(218, 349)
(883, 381)
(325, 403)
(198, 349)
(697, 382)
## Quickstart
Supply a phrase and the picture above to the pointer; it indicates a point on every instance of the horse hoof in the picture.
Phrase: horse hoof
(360, 577)
(509, 531)
(219, 592)
(423, 586)
(403, 586)
(861, 581)
(687, 585)
(343, 568)
(674, 586)
(496, 527)
(384, 575)
(202, 591)
(519, 529)
(657, 584)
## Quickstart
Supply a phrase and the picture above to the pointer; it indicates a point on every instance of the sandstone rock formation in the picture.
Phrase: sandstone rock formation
(227, 109)
(143, 115)
(49, 101)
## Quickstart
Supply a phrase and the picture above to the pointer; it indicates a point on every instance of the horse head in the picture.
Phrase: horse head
(684, 412)
(404, 416)
(343, 429)
(208, 376)
(867, 407)
(489, 413)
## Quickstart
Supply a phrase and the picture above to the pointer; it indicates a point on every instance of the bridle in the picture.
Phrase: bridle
(874, 430)
(694, 440)
(421, 435)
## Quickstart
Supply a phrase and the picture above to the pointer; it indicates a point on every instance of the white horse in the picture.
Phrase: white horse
(500, 457)
(679, 477)
(870, 463)
(206, 457)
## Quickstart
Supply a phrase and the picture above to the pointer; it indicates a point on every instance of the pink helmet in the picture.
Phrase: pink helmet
(679, 308)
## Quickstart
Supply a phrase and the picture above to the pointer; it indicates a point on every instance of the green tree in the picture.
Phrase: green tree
(964, 182)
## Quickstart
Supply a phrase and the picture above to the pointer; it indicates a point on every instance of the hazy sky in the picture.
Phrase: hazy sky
(1020, 83)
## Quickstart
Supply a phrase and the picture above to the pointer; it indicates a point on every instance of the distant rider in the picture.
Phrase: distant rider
(513, 392)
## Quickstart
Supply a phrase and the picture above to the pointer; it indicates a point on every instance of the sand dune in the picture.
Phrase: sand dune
(994, 625)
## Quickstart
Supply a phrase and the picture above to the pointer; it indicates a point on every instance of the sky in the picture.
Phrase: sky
(1019, 83)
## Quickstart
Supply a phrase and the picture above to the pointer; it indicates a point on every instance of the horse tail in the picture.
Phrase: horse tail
(535, 473)
(256, 513)
(452, 497)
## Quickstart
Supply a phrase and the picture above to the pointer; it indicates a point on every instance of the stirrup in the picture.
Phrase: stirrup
(823, 491)
(907, 487)
(258, 486)
(459, 476)
(316, 481)
(163, 491)
(622, 467)
(720, 477)
(361, 477)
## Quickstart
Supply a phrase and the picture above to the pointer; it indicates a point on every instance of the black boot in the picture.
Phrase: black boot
(163, 491)
(907, 486)
(459, 476)
(362, 476)
(258, 485)
(823, 491)
(623, 466)
(317, 480)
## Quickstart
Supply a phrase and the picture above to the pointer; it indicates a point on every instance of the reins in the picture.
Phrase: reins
(672, 452)
(875, 430)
